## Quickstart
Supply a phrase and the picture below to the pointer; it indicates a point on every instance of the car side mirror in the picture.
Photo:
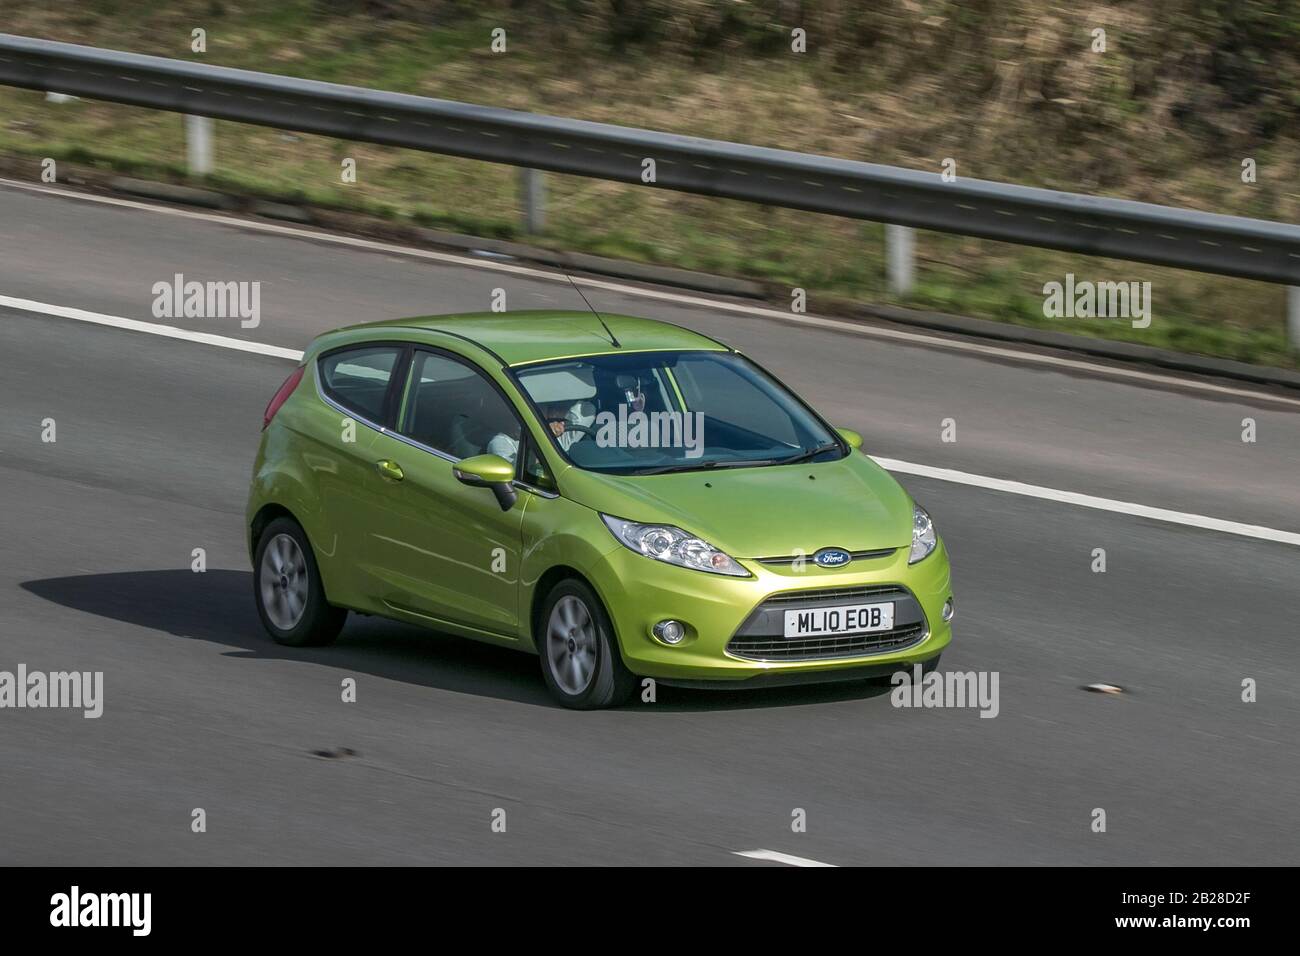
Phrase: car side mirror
(850, 436)
(491, 471)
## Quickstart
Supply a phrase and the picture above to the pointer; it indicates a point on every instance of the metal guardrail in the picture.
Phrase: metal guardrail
(1115, 228)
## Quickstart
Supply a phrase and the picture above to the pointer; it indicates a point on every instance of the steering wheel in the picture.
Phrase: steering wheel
(571, 427)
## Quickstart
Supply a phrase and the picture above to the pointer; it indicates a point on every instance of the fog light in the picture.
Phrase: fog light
(670, 632)
(947, 610)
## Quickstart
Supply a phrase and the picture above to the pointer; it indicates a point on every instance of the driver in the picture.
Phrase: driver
(568, 422)
(564, 396)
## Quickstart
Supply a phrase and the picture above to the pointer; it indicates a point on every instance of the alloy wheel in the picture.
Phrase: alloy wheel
(571, 645)
(283, 582)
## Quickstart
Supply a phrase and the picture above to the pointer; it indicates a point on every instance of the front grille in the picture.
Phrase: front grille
(823, 648)
(808, 558)
(820, 596)
(762, 636)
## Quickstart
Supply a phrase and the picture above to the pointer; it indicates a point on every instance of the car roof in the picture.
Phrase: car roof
(539, 335)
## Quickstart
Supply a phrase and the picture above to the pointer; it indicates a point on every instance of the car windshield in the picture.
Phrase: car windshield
(655, 412)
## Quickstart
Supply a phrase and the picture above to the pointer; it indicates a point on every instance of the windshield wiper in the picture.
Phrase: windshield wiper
(739, 463)
(722, 463)
(809, 455)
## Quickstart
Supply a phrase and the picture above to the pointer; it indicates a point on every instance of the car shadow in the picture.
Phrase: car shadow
(217, 606)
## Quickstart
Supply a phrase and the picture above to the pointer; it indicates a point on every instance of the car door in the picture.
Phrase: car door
(440, 549)
(356, 385)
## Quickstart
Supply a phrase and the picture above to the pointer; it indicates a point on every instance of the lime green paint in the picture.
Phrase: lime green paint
(849, 435)
(427, 547)
(487, 468)
(543, 336)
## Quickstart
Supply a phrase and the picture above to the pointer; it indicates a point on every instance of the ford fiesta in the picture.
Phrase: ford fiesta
(621, 497)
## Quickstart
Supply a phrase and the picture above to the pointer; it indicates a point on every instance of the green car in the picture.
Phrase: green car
(625, 498)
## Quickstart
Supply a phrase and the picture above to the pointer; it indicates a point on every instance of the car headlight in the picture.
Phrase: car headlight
(663, 542)
(923, 537)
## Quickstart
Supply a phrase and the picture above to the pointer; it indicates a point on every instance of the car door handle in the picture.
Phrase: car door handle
(390, 469)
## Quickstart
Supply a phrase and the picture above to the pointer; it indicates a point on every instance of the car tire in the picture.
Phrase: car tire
(581, 662)
(288, 591)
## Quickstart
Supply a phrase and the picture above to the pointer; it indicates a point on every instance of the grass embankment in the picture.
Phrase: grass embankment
(1012, 91)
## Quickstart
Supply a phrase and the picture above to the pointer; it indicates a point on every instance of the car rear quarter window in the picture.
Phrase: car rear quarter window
(358, 379)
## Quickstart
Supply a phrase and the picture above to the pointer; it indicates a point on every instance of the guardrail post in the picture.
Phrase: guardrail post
(900, 244)
(198, 144)
(532, 195)
(1293, 316)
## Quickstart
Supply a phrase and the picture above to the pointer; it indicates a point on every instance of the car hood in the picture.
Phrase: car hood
(764, 511)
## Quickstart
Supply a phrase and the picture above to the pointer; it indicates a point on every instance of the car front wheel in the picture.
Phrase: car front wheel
(581, 663)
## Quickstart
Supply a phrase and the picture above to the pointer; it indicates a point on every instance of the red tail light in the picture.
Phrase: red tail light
(282, 394)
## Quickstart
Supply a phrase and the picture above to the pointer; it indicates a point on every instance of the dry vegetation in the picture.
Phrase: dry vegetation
(1012, 90)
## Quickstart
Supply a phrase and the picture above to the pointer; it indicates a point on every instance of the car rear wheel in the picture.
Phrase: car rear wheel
(581, 663)
(288, 591)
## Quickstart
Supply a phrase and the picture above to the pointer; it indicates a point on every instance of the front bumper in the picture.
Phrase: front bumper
(638, 592)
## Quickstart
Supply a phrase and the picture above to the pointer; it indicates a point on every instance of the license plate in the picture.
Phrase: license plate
(848, 619)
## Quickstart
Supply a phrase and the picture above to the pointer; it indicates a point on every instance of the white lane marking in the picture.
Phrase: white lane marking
(1090, 501)
(153, 328)
(839, 325)
(775, 857)
(890, 464)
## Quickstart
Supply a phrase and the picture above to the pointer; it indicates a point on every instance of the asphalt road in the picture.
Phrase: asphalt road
(155, 439)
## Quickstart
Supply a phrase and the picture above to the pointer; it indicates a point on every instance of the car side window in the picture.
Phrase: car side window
(358, 379)
(452, 407)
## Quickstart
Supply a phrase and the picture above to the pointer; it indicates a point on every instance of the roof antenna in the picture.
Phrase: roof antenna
(598, 316)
